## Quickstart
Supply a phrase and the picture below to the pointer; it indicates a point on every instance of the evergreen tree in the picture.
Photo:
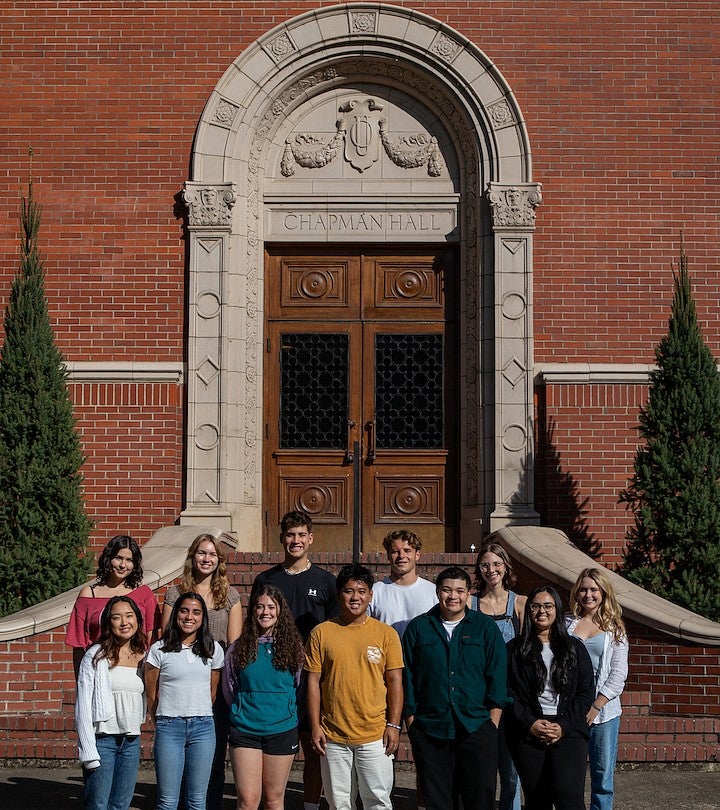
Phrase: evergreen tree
(43, 525)
(674, 547)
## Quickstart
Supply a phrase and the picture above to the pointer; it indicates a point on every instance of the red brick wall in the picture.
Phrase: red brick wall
(621, 113)
(132, 439)
(586, 441)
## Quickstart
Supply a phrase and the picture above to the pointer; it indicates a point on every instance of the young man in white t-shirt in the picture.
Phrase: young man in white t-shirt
(404, 594)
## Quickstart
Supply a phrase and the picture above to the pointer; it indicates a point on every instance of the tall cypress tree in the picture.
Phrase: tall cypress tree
(43, 526)
(674, 547)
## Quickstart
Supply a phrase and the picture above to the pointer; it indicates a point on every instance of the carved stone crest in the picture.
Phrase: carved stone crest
(360, 124)
(361, 133)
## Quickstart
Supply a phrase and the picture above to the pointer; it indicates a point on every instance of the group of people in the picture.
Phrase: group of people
(484, 682)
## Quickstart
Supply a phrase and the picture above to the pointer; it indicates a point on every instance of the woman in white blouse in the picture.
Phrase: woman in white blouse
(597, 620)
(110, 707)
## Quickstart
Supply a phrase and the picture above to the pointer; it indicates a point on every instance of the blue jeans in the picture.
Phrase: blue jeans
(602, 750)
(184, 746)
(112, 785)
(509, 782)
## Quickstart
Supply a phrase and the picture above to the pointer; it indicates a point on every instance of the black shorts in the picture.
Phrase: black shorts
(275, 744)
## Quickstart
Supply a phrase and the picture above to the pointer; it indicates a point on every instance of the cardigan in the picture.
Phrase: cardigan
(612, 673)
(94, 703)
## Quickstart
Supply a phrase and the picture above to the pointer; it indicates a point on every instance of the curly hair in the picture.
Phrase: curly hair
(219, 583)
(509, 578)
(287, 653)
(609, 614)
(529, 647)
(109, 644)
(406, 536)
(115, 544)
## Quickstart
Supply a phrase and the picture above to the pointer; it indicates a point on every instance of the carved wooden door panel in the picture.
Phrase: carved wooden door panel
(360, 348)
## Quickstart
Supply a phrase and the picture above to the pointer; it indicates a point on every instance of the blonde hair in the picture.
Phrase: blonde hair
(218, 584)
(609, 614)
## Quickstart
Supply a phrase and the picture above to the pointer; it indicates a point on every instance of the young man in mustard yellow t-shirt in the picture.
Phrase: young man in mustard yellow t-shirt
(355, 696)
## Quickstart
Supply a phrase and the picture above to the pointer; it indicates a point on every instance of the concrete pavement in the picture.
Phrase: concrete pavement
(32, 787)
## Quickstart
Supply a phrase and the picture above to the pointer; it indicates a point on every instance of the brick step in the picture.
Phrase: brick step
(672, 752)
(12, 725)
(643, 738)
(662, 728)
(51, 748)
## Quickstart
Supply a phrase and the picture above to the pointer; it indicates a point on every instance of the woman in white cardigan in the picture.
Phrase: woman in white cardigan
(110, 707)
(597, 620)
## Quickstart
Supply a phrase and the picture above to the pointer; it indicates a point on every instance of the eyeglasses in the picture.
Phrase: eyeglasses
(496, 566)
(536, 607)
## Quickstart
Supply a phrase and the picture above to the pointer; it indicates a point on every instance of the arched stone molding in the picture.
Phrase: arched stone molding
(237, 144)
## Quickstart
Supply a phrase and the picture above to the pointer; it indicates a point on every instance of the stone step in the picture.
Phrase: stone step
(643, 737)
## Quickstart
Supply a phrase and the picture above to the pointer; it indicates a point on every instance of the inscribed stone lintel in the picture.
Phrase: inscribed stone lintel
(307, 222)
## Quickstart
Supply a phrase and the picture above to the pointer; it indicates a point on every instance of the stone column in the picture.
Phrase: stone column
(209, 222)
(513, 220)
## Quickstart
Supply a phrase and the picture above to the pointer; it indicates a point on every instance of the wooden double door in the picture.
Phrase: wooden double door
(360, 395)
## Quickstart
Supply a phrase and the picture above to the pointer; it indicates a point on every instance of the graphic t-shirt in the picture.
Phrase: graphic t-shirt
(352, 661)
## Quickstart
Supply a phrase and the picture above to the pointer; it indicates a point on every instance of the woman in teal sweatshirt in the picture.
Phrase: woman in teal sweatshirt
(261, 675)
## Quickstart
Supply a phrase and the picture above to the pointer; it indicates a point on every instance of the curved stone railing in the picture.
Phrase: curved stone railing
(163, 560)
(549, 553)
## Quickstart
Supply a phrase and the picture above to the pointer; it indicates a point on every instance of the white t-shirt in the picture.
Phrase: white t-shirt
(184, 682)
(397, 604)
(548, 698)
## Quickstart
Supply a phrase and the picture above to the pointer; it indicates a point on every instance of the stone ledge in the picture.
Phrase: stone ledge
(548, 552)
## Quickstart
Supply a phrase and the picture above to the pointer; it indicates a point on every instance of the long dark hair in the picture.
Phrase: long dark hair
(287, 643)
(109, 645)
(204, 645)
(529, 647)
(104, 569)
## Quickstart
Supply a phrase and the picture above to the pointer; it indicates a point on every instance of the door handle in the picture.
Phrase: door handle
(370, 427)
(349, 455)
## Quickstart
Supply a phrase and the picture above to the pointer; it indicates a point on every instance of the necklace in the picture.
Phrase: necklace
(293, 573)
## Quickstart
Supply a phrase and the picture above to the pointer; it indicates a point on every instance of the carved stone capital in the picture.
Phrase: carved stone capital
(513, 206)
(209, 206)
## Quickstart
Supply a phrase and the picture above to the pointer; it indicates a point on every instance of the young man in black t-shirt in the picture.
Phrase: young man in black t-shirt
(311, 594)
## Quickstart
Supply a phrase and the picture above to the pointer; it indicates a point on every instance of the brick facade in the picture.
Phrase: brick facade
(620, 110)
(620, 102)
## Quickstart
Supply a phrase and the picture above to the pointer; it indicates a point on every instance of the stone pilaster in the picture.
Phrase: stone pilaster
(209, 223)
(513, 221)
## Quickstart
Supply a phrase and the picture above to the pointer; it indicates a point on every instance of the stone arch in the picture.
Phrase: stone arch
(296, 62)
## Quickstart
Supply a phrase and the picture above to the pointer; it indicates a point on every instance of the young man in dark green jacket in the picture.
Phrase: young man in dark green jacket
(455, 681)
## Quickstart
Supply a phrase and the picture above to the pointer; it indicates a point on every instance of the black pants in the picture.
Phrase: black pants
(552, 775)
(464, 767)
(216, 788)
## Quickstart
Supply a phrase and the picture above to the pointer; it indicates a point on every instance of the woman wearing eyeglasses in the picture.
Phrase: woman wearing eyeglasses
(494, 579)
(551, 681)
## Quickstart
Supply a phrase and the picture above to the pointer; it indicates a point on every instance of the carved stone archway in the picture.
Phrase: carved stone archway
(240, 142)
